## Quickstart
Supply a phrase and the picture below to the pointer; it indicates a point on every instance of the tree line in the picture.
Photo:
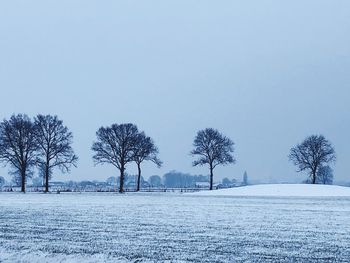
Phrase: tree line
(170, 180)
(45, 143)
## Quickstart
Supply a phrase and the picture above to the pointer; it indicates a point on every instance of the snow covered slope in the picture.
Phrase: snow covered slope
(295, 190)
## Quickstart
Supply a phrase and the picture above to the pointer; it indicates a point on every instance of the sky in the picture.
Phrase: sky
(265, 73)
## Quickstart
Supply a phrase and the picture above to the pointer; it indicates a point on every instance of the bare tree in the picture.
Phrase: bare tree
(213, 149)
(18, 146)
(115, 145)
(314, 152)
(145, 150)
(55, 146)
(325, 175)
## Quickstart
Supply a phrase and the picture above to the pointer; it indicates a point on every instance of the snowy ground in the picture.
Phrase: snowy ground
(288, 190)
(172, 228)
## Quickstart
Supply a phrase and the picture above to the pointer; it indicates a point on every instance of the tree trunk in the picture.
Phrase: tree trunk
(121, 183)
(23, 179)
(138, 177)
(46, 178)
(314, 176)
(211, 177)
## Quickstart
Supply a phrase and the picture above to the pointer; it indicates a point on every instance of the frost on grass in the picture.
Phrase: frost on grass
(172, 228)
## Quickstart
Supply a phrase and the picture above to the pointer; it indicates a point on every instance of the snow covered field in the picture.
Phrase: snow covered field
(173, 228)
(288, 190)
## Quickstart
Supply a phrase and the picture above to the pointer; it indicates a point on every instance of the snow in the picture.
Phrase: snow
(162, 227)
(292, 190)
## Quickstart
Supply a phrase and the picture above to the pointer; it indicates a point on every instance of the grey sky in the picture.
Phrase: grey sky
(265, 73)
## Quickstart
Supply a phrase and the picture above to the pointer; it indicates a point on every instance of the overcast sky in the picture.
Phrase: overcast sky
(264, 73)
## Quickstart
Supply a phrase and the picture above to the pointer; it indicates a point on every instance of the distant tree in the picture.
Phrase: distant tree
(213, 149)
(37, 181)
(130, 180)
(2, 181)
(176, 179)
(86, 183)
(226, 181)
(172, 179)
(245, 178)
(112, 181)
(325, 175)
(71, 184)
(229, 182)
(55, 146)
(155, 181)
(234, 182)
(18, 146)
(200, 178)
(313, 153)
(145, 150)
(115, 145)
